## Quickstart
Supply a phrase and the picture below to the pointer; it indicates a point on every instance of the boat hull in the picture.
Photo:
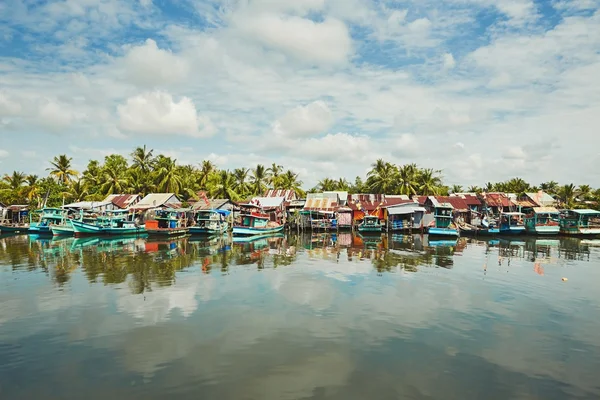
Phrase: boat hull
(480, 232)
(513, 230)
(580, 231)
(62, 230)
(167, 232)
(369, 229)
(40, 229)
(544, 230)
(82, 228)
(14, 229)
(443, 232)
(248, 231)
(206, 231)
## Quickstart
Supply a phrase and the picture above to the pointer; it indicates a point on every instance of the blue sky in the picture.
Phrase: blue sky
(484, 90)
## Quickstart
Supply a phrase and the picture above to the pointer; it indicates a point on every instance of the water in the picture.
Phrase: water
(316, 317)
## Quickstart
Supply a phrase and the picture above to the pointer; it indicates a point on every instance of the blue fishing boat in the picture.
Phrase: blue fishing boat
(370, 224)
(442, 224)
(542, 221)
(48, 216)
(210, 222)
(115, 222)
(511, 223)
(256, 224)
(583, 222)
(168, 222)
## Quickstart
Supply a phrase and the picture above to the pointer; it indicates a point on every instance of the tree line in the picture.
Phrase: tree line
(144, 172)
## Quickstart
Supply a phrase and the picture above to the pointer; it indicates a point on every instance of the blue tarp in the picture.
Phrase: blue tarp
(223, 212)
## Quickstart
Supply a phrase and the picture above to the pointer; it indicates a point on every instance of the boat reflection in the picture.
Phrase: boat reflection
(142, 262)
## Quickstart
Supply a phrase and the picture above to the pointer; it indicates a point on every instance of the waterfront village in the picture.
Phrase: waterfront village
(164, 214)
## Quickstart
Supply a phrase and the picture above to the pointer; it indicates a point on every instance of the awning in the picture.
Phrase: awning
(404, 210)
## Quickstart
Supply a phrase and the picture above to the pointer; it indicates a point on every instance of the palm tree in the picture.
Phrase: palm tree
(143, 159)
(474, 189)
(259, 177)
(16, 180)
(222, 186)
(456, 189)
(139, 182)
(77, 190)
(32, 189)
(518, 186)
(289, 181)
(326, 185)
(61, 169)
(342, 184)
(273, 172)
(490, 187)
(166, 176)
(584, 192)
(567, 194)
(550, 187)
(206, 169)
(114, 181)
(242, 186)
(383, 177)
(407, 180)
(429, 182)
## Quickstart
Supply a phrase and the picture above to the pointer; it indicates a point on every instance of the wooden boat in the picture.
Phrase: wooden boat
(542, 221)
(256, 224)
(370, 223)
(116, 222)
(9, 227)
(167, 223)
(442, 224)
(210, 222)
(49, 216)
(583, 222)
(511, 223)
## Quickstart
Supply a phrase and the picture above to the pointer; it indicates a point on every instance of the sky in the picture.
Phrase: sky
(482, 90)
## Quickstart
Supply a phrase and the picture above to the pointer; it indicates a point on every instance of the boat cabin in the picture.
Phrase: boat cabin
(370, 223)
(50, 216)
(543, 216)
(442, 215)
(254, 220)
(168, 218)
(585, 221)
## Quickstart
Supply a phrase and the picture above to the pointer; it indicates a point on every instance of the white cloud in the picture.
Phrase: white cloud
(514, 153)
(4, 153)
(449, 61)
(55, 116)
(158, 113)
(304, 121)
(326, 42)
(147, 65)
(8, 106)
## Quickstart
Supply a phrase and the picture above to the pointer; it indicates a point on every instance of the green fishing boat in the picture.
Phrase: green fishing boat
(168, 222)
(115, 222)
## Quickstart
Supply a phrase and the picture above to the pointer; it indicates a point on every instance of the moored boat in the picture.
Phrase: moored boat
(49, 216)
(167, 222)
(442, 224)
(542, 221)
(370, 224)
(8, 227)
(209, 222)
(115, 223)
(256, 224)
(583, 222)
(511, 223)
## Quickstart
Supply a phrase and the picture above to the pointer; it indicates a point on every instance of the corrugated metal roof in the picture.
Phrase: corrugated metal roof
(541, 198)
(269, 202)
(18, 207)
(213, 204)
(545, 210)
(527, 203)
(497, 200)
(288, 194)
(154, 200)
(88, 205)
(405, 210)
(469, 199)
(586, 211)
(122, 200)
(444, 202)
(320, 204)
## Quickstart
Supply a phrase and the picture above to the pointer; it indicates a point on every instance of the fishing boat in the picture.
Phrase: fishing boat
(168, 222)
(256, 223)
(115, 222)
(210, 222)
(542, 221)
(583, 222)
(370, 224)
(14, 219)
(511, 223)
(442, 224)
(48, 216)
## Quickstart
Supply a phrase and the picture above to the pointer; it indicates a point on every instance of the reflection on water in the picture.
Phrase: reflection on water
(299, 316)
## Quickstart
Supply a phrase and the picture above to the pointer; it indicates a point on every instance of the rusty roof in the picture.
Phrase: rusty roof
(122, 200)
(320, 204)
(213, 204)
(470, 199)
(497, 200)
(288, 194)
(370, 202)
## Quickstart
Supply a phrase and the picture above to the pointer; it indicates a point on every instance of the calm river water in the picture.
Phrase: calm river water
(319, 317)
